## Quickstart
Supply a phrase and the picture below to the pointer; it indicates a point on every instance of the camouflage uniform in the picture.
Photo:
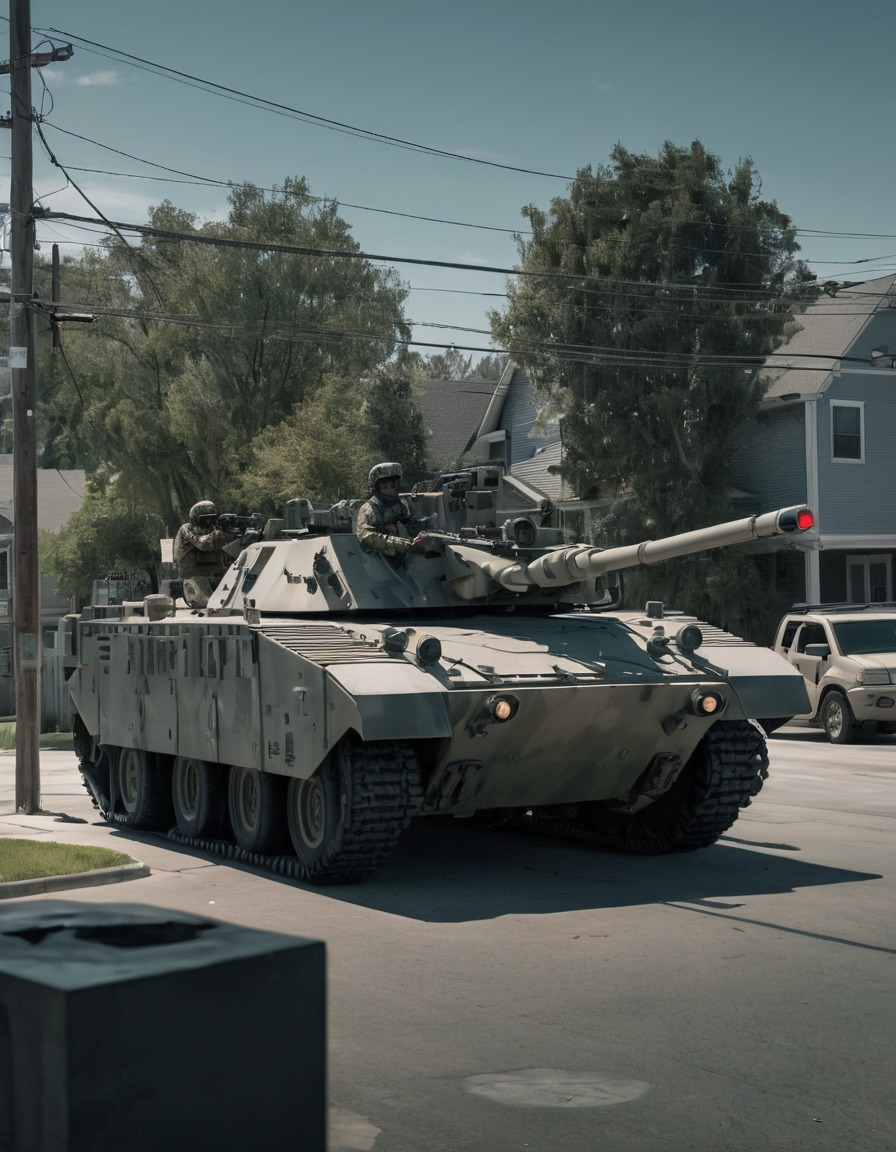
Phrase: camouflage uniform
(385, 524)
(382, 527)
(198, 551)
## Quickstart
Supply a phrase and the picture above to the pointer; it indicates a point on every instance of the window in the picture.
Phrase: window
(789, 633)
(870, 578)
(811, 634)
(848, 431)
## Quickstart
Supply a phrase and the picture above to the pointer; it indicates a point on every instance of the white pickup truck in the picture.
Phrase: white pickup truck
(847, 655)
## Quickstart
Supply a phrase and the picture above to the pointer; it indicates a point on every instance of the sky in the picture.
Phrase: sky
(804, 87)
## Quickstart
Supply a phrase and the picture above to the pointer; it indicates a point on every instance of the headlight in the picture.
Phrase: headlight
(503, 708)
(707, 703)
(872, 676)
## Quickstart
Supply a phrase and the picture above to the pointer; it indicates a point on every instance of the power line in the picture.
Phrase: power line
(194, 81)
(607, 356)
(697, 291)
(297, 113)
(210, 181)
(215, 182)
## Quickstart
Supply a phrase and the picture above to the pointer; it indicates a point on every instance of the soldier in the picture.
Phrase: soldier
(384, 522)
(199, 553)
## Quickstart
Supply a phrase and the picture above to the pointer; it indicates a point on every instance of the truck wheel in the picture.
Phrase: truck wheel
(199, 796)
(255, 804)
(142, 796)
(836, 718)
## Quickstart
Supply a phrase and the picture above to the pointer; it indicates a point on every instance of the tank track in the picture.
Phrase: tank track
(383, 790)
(732, 765)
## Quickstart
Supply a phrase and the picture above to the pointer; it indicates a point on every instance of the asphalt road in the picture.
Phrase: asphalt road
(494, 991)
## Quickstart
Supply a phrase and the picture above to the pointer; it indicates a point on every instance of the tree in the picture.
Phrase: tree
(107, 533)
(453, 365)
(651, 293)
(666, 281)
(448, 365)
(325, 450)
(490, 367)
(200, 348)
(393, 421)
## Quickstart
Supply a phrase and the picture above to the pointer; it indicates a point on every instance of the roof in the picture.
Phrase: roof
(542, 471)
(452, 412)
(828, 327)
(60, 492)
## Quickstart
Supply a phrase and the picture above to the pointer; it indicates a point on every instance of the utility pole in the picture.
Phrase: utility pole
(23, 374)
(22, 360)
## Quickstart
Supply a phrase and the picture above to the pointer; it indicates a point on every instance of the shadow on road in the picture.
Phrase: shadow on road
(447, 873)
(451, 871)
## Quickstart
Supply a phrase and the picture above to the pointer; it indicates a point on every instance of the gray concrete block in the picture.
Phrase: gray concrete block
(128, 1027)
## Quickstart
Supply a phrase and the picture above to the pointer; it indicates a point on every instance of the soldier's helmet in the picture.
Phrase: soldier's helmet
(203, 512)
(386, 471)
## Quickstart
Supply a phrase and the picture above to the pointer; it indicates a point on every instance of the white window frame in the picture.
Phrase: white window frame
(860, 404)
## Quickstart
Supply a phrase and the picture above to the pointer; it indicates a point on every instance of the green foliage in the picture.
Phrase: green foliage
(667, 274)
(109, 532)
(684, 267)
(325, 450)
(453, 365)
(393, 423)
(489, 367)
(200, 350)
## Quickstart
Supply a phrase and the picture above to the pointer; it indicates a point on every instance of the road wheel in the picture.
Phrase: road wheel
(315, 817)
(255, 802)
(199, 795)
(143, 798)
(347, 819)
(836, 717)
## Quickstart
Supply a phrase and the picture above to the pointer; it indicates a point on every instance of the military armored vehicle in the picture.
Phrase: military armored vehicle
(326, 695)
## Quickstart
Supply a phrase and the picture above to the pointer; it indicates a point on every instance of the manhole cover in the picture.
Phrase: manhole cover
(554, 1088)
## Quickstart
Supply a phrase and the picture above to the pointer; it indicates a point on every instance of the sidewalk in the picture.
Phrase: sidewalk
(67, 817)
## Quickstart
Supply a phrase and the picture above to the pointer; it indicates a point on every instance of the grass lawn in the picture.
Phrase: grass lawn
(61, 740)
(30, 859)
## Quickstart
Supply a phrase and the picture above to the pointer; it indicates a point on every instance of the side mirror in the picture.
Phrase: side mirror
(821, 650)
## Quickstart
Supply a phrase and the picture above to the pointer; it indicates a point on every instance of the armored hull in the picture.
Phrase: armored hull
(292, 724)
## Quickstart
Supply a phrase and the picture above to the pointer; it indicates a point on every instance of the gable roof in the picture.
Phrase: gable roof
(60, 492)
(828, 327)
(452, 413)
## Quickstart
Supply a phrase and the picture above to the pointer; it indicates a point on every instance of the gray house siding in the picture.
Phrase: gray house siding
(519, 417)
(843, 351)
(769, 464)
(859, 497)
(507, 432)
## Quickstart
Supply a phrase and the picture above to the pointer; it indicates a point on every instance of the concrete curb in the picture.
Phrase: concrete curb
(41, 884)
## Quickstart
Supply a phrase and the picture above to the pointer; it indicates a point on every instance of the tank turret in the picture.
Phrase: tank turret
(324, 695)
(312, 563)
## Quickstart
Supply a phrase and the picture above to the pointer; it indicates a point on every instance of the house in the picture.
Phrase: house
(59, 494)
(510, 431)
(452, 411)
(824, 437)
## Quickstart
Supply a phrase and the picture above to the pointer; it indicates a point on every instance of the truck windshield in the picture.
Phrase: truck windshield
(861, 637)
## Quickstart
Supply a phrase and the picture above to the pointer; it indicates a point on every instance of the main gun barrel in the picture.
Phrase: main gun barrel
(564, 566)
